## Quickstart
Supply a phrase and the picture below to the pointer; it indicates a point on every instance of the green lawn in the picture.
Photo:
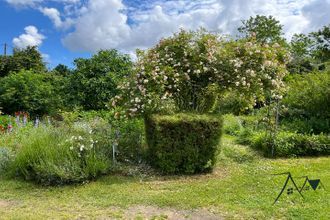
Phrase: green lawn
(241, 187)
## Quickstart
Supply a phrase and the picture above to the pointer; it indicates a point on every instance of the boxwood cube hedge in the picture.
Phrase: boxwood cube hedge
(183, 143)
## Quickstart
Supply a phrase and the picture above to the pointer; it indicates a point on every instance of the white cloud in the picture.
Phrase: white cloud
(46, 58)
(30, 38)
(104, 24)
(54, 15)
(317, 13)
(34, 3)
(22, 3)
(101, 25)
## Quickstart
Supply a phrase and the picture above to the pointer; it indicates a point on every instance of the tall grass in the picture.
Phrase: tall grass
(61, 155)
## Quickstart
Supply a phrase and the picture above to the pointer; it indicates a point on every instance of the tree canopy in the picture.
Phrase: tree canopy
(28, 58)
(265, 29)
(94, 81)
(321, 44)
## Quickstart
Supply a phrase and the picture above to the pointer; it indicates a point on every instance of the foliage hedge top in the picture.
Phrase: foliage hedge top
(183, 143)
(185, 117)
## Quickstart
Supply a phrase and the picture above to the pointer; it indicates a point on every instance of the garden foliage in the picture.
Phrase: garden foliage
(288, 144)
(29, 91)
(191, 69)
(94, 81)
(188, 76)
(307, 103)
(183, 143)
(60, 155)
(28, 58)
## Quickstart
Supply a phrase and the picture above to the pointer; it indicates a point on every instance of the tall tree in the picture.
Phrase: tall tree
(62, 70)
(28, 58)
(301, 45)
(265, 29)
(94, 81)
(29, 91)
(301, 53)
(321, 44)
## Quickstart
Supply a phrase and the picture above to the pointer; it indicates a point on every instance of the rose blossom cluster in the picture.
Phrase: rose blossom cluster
(181, 66)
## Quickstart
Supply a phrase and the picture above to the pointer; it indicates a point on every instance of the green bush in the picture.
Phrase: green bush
(183, 143)
(60, 155)
(244, 136)
(130, 140)
(30, 92)
(311, 125)
(4, 122)
(292, 144)
(308, 102)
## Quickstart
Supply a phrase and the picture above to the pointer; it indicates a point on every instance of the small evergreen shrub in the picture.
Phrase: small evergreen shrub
(183, 143)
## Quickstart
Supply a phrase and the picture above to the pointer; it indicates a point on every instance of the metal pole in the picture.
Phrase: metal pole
(5, 49)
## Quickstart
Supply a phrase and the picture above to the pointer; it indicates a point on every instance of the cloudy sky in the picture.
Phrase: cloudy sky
(67, 29)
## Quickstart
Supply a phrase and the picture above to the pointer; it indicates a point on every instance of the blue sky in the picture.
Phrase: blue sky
(67, 29)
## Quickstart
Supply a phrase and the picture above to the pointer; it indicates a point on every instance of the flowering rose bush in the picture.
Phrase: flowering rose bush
(189, 70)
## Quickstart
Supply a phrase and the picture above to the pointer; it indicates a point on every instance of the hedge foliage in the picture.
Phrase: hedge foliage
(289, 144)
(183, 143)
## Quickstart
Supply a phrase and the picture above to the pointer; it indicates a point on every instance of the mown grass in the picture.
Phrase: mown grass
(241, 187)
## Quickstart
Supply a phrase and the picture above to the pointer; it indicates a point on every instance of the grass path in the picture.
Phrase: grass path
(241, 187)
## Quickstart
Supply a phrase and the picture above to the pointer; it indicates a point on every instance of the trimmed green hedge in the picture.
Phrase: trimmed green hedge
(183, 143)
(292, 144)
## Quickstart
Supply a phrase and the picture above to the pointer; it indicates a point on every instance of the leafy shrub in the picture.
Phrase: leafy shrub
(249, 126)
(4, 122)
(292, 144)
(308, 101)
(244, 136)
(311, 125)
(183, 143)
(30, 92)
(130, 140)
(62, 155)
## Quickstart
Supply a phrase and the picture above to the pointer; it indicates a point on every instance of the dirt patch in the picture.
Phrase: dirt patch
(152, 212)
(5, 204)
